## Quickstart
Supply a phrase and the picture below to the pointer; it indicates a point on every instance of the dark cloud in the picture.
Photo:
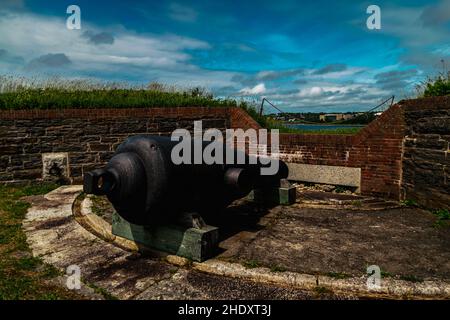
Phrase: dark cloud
(300, 81)
(99, 38)
(395, 79)
(226, 91)
(6, 57)
(51, 60)
(287, 91)
(331, 68)
(356, 93)
(435, 15)
(12, 4)
(275, 75)
(244, 80)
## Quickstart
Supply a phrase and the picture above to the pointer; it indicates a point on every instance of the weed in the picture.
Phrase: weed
(409, 203)
(323, 290)
(251, 264)
(277, 268)
(357, 203)
(105, 294)
(339, 189)
(443, 217)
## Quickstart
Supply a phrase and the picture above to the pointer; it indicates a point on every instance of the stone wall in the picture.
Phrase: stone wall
(426, 159)
(401, 155)
(88, 136)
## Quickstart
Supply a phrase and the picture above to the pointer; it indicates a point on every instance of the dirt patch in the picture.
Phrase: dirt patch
(52, 223)
(134, 268)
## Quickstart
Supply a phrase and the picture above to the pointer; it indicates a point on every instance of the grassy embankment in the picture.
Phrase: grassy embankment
(58, 94)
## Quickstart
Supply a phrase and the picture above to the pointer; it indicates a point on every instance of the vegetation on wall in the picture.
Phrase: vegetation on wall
(439, 86)
(436, 86)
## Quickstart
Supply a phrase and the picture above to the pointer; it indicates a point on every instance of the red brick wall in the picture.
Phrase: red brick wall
(377, 150)
(240, 119)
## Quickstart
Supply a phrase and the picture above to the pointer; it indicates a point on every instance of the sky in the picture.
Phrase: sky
(304, 56)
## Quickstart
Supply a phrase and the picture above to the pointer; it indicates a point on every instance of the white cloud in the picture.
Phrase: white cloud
(34, 36)
(256, 90)
(311, 92)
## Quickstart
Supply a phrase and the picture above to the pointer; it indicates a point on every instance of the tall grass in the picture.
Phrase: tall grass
(58, 93)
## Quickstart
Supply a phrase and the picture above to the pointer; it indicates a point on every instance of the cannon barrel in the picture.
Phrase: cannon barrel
(145, 186)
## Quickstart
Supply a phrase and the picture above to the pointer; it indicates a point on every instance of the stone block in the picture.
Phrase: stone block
(197, 244)
(336, 175)
(55, 166)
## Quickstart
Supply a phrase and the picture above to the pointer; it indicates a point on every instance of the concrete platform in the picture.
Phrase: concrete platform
(282, 253)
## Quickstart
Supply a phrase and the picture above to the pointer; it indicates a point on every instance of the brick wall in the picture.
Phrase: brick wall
(402, 155)
(377, 150)
(426, 159)
(89, 136)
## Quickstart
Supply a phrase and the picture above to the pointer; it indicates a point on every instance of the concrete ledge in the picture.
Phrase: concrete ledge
(390, 288)
(344, 176)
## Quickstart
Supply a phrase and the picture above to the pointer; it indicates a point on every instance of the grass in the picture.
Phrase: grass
(106, 295)
(277, 268)
(409, 203)
(252, 264)
(57, 93)
(23, 276)
(352, 130)
(357, 203)
(101, 207)
(443, 218)
(323, 290)
(111, 98)
(340, 189)
(270, 123)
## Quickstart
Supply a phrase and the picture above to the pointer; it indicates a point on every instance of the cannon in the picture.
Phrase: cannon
(147, 188)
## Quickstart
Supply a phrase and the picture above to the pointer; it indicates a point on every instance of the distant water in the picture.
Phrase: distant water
(318, 127)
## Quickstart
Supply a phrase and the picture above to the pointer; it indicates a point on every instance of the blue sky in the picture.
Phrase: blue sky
(302, 55)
